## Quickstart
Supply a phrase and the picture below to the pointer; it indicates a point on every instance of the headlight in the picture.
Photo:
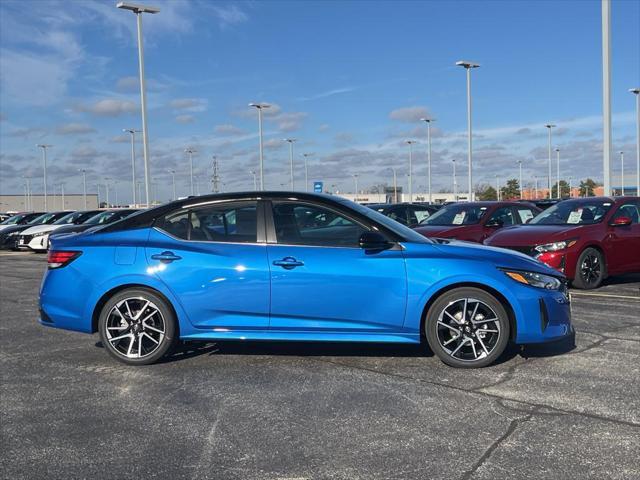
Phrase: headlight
(555, 246)
(39, 234)
(535, 279)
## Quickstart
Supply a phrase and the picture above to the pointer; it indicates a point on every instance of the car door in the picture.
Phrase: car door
(623, 241)
(322, 280)
(214, 259)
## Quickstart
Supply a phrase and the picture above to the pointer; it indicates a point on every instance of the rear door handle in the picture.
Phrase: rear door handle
(288, 263)
(166, 257)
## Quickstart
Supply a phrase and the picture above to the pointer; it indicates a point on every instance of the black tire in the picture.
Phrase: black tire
(591, 269)
(151, 330)
(472, 337)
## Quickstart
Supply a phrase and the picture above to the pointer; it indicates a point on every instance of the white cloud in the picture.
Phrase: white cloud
(229, 16)
(189, 104)
(409, 114)
(328, 93)
(228, 129)
(184, 119)
(109, 107)
(74, 129)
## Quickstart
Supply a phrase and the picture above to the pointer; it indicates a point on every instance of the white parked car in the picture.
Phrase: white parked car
(36, 238)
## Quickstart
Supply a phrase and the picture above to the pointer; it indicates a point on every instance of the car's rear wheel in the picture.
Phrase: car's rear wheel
(137, 326)
(467, 328)
(590, 269)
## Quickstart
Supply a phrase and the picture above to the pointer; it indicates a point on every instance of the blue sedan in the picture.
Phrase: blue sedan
(294, 266)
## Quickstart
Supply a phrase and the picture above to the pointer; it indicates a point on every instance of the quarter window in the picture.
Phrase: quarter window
(504, 216)
(302, 224)
(525, 214)
(236, 223)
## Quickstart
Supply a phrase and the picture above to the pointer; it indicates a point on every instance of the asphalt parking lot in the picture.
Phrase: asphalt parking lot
(316, 411)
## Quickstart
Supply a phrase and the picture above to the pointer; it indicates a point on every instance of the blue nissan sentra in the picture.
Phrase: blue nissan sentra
(294, 266)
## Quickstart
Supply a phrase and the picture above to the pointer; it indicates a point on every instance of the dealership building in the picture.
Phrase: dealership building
(35, 203)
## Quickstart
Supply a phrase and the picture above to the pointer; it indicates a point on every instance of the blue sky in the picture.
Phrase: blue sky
(347, 79)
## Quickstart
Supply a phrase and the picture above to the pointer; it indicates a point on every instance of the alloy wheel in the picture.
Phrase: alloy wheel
(135, 327)
(468, 329)
(591, 269)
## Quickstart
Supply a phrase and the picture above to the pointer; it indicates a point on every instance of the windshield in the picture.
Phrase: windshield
(100, 218)
(456, 214)
(580, 212)
(410, 235)
(13, 220)
(44, 218)
(69, 218)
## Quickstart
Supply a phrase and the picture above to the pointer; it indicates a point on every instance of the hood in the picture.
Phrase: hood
(443, 231)
(13, 229)
(529, 235)
(40, 229)
(498, 257)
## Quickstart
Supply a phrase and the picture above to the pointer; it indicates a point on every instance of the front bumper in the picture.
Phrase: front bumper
(547, 317)
(39, 243)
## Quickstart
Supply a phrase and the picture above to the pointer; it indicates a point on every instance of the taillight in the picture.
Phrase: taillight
(60, 258)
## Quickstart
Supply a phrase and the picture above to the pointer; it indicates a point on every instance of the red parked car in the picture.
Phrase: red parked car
(585, 238)
(475, 221)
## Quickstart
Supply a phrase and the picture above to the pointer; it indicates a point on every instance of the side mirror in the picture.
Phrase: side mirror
(374, 241)
(621, 222)
(495, 223)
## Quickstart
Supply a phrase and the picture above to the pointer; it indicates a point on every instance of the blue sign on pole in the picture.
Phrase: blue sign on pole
(317, 187)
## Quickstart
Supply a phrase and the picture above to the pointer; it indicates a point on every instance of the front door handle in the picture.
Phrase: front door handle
(166, 257)
(288, 263)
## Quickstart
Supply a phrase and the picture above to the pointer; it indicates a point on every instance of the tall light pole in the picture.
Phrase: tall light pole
(306, 171)
(215, 179)
(44, 169)
(260, 107)
(62, 194)
(291, 140)
(106, 189)
(255, 180)
(549, 126)
(139, 189)
(133, 132)
(173, 179)
(570, 186)
(468, 66)
(536, 186)
(395, 185)
(27, 204)
(98, 191)
(190, 151)
(520, 184)
(497, 188)
(636, 92)
(84, 186)
(455, 181)
(428, 122)
(558, 190)
(355, 179)
(606, 95)
(622, 173)
(410, 143)
(139, 10)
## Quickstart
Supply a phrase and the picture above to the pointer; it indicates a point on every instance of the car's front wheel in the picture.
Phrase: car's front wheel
(137, 326)
(590, 269)
(467, 328)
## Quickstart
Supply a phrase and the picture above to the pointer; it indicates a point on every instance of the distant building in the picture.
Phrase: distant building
(72, 201)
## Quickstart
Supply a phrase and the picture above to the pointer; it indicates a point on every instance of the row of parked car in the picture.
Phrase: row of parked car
(33, 230)
(587, 239)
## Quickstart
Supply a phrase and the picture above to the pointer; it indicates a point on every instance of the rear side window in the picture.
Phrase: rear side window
(525, 214)
(231, 223)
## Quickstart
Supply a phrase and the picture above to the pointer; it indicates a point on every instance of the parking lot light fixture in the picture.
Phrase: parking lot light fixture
(84, 187)
(622, 173)
(291, 141)
(410, 175)
(306, 171)
(190, 151)
(139, 10)
(132, 132)
(260, 107)
(468, 66)
(558, 191)
(428, 122)
(44, 148)
(636, 92)
(520, 184)
(549, 126)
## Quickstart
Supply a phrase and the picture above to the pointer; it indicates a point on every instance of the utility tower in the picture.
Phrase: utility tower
(215, 179)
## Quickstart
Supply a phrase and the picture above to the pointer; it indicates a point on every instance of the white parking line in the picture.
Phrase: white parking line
(574, 294)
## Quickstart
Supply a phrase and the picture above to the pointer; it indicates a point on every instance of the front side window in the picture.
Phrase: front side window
(302, 224)
(419, 215)
(502, 216)
(457, 214)
(230, 223)
(525, 214)
(629, 209)
(573, 212)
